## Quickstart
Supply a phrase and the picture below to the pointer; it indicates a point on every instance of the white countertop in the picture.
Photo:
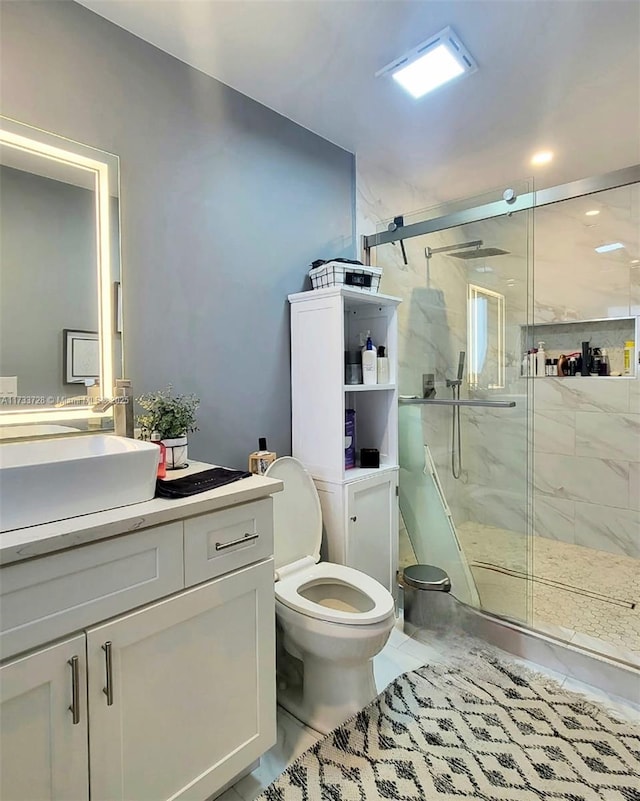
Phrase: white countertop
(24, 543)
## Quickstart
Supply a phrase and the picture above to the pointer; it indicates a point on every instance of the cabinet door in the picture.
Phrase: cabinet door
(182, 693)
(43, 744)
(372, 527)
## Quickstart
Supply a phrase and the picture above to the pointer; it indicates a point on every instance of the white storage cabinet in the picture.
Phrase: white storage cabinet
(359, 505)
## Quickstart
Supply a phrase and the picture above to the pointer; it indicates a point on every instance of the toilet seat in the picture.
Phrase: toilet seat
(297, 536)
(288, 591)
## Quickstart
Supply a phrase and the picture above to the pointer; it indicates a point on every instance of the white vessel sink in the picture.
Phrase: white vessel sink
(33, 430)
(47, 480)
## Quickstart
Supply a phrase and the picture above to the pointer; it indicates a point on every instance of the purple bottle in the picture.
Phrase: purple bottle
(349, 439)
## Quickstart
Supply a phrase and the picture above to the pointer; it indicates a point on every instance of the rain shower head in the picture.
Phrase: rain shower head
(467, 250)
(479, 253)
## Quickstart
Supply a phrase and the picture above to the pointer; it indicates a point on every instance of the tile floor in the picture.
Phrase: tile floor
(400, 654)
(590, 597)
(582, 595)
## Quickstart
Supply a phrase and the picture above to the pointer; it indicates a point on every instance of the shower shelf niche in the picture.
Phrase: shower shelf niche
(566, 336)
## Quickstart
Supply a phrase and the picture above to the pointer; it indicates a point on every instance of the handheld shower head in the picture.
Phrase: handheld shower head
(461, 358)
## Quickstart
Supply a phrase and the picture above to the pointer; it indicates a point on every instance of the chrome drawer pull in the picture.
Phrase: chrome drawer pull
(108, 690)
(75, 690)
(220, 546)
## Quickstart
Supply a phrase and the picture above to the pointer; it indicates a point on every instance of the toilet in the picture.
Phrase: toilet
(331, 619)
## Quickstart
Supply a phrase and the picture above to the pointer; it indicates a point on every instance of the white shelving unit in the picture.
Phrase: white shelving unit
(359, 505)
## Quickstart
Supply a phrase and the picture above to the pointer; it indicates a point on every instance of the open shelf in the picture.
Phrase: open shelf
(566, 336)
(356, 473)
(368, 387)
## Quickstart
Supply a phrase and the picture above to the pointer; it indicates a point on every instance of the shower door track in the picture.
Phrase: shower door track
(446, 402)
(530, 200)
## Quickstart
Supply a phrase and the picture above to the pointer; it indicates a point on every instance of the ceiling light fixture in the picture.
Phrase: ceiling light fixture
(543, 157)
(592, 212)
(609, 247)
(432, 63)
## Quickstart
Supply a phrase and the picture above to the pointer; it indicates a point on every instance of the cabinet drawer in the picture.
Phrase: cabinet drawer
(219, 542)
(46, 598)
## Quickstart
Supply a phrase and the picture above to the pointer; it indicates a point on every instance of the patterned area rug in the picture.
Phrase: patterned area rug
(487, 730)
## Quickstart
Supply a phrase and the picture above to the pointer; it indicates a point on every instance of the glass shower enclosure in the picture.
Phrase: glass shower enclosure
(464, 452)
(496, 465)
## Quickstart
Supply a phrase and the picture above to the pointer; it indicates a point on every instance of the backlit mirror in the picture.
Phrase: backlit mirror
(60, 319)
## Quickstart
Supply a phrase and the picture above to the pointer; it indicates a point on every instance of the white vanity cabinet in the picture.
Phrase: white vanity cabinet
(169, 697)
(43, 725)
(181, 693)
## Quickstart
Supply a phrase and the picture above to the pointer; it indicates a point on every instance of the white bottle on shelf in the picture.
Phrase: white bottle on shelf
(383, 366)
(541, 358)
(369, 362)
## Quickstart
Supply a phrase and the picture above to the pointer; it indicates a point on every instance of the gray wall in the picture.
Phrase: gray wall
(48, 278)
(224, 204)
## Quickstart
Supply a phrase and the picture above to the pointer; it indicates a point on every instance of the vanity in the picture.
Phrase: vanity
(138, 648)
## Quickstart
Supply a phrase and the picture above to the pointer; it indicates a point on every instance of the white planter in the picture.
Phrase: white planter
(176, 452)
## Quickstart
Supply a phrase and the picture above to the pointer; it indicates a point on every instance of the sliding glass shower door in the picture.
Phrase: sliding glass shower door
(464, 443)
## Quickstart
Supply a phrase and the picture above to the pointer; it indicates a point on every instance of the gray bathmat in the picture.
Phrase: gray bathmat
(486, 729)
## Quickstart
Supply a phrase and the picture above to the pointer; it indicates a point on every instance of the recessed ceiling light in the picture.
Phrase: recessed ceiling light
(485, 269)
(432, 63)
(543, 157)
(609, 247)
(592, 212)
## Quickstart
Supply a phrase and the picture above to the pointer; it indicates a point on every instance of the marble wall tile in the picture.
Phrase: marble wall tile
(554, 518)
(608, 529)
(608, 436)
(634, 395)
(580, 478)
(554, 432)
(499, 508)
(634, 485)
(582, 394)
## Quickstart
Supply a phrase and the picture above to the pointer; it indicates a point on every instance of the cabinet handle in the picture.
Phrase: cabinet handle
(108, 690)
(75, 689)
(220, 546)
(353, 519)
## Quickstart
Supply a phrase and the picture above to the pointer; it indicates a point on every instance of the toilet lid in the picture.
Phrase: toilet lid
(297, 517)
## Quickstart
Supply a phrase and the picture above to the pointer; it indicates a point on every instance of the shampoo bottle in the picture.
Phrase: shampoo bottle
(628, 363)
(383, 366)
(369, 362)
(540, 360)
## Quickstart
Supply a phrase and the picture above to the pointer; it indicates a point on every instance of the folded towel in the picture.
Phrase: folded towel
(198, 482)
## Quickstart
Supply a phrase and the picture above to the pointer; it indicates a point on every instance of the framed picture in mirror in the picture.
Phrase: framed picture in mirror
(80, 355)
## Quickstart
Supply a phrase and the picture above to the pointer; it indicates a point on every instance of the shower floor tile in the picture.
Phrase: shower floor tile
(594, 596)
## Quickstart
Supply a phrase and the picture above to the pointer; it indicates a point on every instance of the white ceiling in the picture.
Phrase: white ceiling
(553, 74)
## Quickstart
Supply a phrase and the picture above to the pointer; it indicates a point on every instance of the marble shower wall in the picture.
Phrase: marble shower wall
(433, 330)
(431, 318)
(586, 429)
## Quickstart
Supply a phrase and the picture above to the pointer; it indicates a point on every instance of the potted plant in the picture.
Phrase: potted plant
(168, 418)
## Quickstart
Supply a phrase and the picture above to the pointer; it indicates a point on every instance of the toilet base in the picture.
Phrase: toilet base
(329, 694)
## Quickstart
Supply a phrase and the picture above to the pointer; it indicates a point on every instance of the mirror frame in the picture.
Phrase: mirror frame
(105, 170)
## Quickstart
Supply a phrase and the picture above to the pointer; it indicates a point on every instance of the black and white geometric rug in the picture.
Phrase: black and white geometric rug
(487, 730)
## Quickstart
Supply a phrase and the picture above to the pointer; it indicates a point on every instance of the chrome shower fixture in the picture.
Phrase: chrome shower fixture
(467, 250)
